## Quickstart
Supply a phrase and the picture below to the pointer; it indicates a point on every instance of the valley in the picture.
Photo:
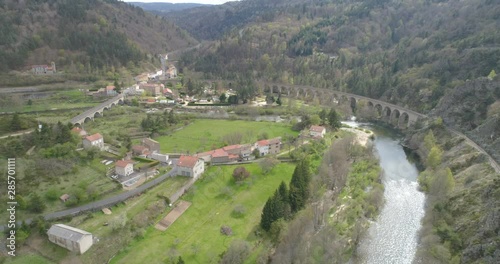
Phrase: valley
(253, 131)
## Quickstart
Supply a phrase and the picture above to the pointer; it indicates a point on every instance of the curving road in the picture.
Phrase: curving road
(108, 201)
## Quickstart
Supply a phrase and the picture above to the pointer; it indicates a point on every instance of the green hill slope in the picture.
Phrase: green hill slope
(87, 34)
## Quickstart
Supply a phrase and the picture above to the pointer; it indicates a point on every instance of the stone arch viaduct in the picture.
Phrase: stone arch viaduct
(97, 111)
(394, 114)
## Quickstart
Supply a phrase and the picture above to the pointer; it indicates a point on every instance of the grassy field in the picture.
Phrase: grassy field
(85, 177)
(111, 240)
(62, 99)
(206, 134)
(196, 234)
(31, 258)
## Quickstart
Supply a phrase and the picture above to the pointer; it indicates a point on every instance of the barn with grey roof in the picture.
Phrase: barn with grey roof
(71, 238)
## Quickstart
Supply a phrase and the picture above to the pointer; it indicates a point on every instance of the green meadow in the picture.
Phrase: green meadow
(206, 134)
(196, 234)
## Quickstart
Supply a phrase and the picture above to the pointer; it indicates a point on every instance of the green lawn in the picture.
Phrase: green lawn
(32, 259)
(207, 134)
(196, 234)
(111, 241)
(66, 99)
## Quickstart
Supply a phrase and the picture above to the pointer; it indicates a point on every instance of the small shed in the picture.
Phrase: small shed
(64, 197)
(71, 238)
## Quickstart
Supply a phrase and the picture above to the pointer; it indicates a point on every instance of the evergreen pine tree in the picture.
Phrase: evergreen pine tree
(334, 119)
(15, 123)
(266, 217)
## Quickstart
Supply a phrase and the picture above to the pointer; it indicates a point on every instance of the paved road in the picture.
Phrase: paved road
(104, 202)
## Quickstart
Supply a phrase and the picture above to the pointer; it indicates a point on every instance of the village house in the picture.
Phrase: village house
(190, 166)
(43, 69)
(274, 145)
(317, 131)
(79, 131)
(268, 146)
(205, 156)
(95, 140)
(220, 156)
(110, 90)
(167, 92)
(171, 71)
(152, 145)
(124, 168)
(152, 89)
(71, 238)
(141, 151)
(263, 147)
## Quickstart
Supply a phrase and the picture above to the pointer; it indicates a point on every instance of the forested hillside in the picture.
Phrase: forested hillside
(164, 7)
(409, 52)
(82, 35)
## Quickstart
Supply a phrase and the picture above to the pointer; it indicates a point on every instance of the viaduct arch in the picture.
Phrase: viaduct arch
(97, 111)
(394, 114)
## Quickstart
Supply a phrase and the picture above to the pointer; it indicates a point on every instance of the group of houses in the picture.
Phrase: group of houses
(109, 90)
(43, 69)
(241, 152)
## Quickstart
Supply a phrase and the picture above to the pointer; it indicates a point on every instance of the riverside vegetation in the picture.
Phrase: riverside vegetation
(462, 213)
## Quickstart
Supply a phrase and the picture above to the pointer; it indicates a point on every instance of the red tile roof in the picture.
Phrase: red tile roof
(139, 148)
(76, 129)
(205, 153)
(219, 153)
(231, 147)
(274, 140)
(263, 142)
(167, 91)
(93, 137)
(318, 129)
(187, 161)
(110, 87)
(122, 163)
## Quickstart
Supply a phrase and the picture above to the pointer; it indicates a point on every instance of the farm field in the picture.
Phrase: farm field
(112, 235)
(85, 180)
(50, 100)
(196, 234)
(206, 134)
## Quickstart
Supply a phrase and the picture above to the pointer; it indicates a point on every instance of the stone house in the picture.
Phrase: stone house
(152, 145)
(317, 131)
(190, 166)
(71, 238)
(262, 146)
(79, 131)
(95, 140)
(110, 90)
(124, 167)
(141, 151)
(43, 69)
(274, 145)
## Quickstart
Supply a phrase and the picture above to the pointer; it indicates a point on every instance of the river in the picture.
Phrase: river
(393, 237)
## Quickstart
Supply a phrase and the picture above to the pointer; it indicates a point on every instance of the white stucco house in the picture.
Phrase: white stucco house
(262, 146)
(124, 167)
(190, 166)
(95, 140)
(71, 238)
(317, 131)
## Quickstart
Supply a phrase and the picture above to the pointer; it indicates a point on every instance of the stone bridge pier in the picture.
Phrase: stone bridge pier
(97, 111)
(397, 116)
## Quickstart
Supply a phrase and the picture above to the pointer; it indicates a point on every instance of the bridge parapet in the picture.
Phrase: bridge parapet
(97, 110)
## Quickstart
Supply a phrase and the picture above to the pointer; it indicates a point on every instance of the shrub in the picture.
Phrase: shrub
(240, 174)
(226, 230)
